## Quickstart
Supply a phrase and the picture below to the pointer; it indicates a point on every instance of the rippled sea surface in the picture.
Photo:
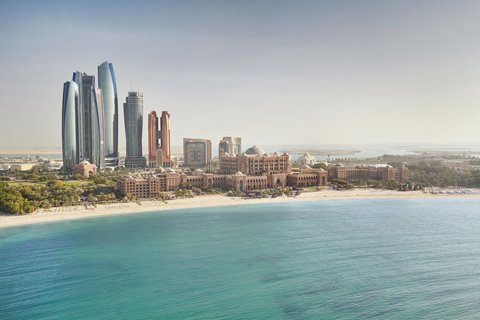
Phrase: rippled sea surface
(337, 259)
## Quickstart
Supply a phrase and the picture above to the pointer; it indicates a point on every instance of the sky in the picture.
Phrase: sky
(272, 72)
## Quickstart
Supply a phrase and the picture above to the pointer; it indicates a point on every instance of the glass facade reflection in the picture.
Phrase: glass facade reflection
(107, 83)
(90, 114)
(90, 126)
(133, 116)
(70, 104)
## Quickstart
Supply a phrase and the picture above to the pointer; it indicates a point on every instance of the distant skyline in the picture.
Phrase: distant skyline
(271, 72)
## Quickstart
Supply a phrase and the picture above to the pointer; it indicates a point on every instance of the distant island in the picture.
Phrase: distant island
(316, 152)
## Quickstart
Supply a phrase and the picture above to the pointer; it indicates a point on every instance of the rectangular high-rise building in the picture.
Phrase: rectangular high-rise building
(197, 152)
(230, 146)
(159, 140)
(165, 135)
(152, 137)
(133, 116)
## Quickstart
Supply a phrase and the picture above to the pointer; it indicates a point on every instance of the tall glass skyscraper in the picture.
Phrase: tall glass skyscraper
(93, 121)
(89, 120)
(70, 103)
(133, 116)
(108, 85)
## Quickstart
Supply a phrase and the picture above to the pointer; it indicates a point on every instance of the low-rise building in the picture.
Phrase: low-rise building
(308, 178)
(152, 185)
(22, 166)
(373, 172)
(85, 169)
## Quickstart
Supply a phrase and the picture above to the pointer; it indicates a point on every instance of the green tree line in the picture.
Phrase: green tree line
(26, 198)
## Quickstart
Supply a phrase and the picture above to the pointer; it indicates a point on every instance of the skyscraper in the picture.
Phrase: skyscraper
(230, 146)
(90, 125)
(159, 140)
(165, 135)
(95, 118)
(152, 137)
(70, 104)
(197, 152)
(107, 83)
(133, 115)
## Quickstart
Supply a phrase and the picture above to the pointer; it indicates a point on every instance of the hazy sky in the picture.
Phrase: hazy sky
(272, 72)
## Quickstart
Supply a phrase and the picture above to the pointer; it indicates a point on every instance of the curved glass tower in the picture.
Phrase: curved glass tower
(90, 124)
(98, 155)
(70, 105)
(108, 85)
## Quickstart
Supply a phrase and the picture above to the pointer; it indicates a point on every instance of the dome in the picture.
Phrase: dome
(198, 172)
(254, 151)
(85, 163)
(306, 159)
(239, 174)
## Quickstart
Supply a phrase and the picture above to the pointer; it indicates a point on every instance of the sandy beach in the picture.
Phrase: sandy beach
(79, 212)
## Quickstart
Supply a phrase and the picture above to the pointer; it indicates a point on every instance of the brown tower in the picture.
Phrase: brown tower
(165, 135)
(152, 136)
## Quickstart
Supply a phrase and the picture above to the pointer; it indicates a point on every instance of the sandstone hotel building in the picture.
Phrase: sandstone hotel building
(252, 170)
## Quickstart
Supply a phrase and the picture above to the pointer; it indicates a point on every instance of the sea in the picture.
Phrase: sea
(332, 259)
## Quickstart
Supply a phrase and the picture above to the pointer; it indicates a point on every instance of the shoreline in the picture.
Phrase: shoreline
(59, 214)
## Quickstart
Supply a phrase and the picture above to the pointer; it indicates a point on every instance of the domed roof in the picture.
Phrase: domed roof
(254, 151)
(307, 157)
(84, 162)
(198, 172)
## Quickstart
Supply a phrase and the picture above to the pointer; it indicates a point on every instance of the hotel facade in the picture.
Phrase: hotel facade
(260, 171)
(196, 152)
(375, 172)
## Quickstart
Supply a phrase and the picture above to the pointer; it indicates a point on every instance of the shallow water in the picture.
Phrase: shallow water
(338, 259)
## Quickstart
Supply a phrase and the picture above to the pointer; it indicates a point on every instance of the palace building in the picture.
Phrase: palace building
(255, 161)
(250, 171)
(372, 172)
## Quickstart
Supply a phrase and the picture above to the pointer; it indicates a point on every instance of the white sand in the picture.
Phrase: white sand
(79, 212)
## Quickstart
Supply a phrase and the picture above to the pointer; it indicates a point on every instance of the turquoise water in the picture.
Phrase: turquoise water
(341, 259)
